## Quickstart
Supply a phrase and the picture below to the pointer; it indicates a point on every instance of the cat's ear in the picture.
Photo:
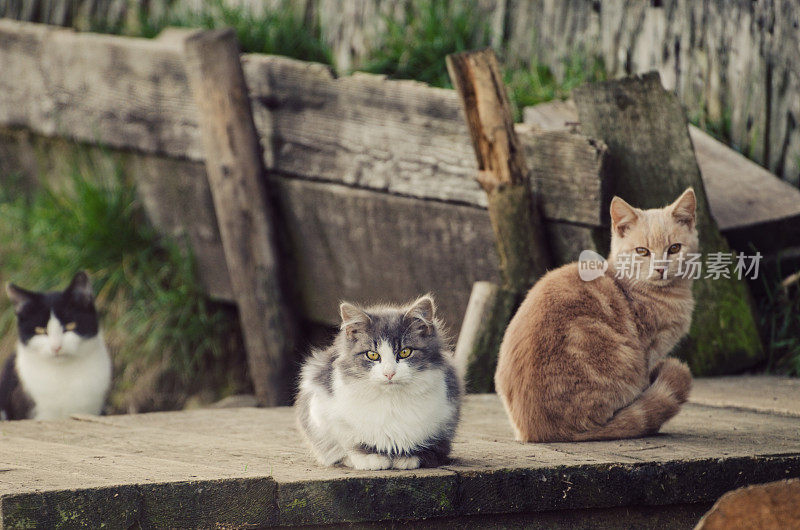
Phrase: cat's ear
(623, 215)
(18, 296)
(353, 319)
(684, 210)
(80, 289)
(422, 312)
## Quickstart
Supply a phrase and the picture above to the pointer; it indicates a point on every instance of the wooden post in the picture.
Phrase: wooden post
(503, 173)
(513, 208)
(652, 161)
(244, 213)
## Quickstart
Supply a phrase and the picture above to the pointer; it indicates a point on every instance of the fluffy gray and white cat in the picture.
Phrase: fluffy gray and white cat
(385, 394)
(61, 365)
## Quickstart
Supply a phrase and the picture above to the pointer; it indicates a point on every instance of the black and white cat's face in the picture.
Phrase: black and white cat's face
(56, 324)
(389, 346)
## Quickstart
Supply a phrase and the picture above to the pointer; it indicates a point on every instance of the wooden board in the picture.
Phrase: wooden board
(404, 138)
(370, 247)
(121, 92)
(247, 221)
(249, 467)
(177, 199)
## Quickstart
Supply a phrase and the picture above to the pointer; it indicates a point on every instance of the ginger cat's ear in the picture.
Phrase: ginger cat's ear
(623, 215)
(684, 210)
(353, 319)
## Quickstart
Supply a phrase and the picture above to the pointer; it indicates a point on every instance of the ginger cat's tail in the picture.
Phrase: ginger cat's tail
(658, 403)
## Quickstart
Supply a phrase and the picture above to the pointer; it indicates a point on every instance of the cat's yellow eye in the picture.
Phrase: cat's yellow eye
(405, 352)
(71, 326)
(372, 355)
(674, 248)
(40, 330)
(642, 251)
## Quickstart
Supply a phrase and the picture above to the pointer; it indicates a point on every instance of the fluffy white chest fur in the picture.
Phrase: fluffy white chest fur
(61, 386)
(389, 418)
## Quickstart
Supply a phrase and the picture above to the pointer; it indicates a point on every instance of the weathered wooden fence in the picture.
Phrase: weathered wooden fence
(374, 179)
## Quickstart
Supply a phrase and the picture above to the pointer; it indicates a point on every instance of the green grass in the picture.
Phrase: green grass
(416, 47)
(538, 84)
(280, 31)
(720, 129)
(167, 339)
(416, 50)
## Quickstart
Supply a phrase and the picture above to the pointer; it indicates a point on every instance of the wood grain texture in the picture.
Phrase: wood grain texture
(404, 138)
(120, 92)
(370, 247)
(652, 160)
(477, 78)
(244, 211)
(248, 467)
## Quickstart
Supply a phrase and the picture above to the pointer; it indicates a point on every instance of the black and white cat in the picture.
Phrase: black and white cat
(385, 394)
(61, 365)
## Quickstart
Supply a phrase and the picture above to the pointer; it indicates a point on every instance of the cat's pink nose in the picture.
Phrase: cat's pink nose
(389, 375)
(56, 349)
(660, 272)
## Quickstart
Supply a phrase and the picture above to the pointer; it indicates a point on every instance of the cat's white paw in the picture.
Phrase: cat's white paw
(406, 462)
(371, 461)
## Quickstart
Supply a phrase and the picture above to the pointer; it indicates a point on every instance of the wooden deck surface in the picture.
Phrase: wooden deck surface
(248, 467)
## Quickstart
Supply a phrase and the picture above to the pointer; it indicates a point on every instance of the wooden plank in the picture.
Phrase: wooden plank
(121, 92)
(741, 193)
(369, 247)
(177, 199)
(256, 470)
(481, 301)
(568, 174)
(244, 211)
(401, 137)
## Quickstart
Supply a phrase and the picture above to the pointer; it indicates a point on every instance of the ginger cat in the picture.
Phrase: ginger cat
(586, 360)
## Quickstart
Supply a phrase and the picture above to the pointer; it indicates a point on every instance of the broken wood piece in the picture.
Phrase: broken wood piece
(513, 208)
(489, 309)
